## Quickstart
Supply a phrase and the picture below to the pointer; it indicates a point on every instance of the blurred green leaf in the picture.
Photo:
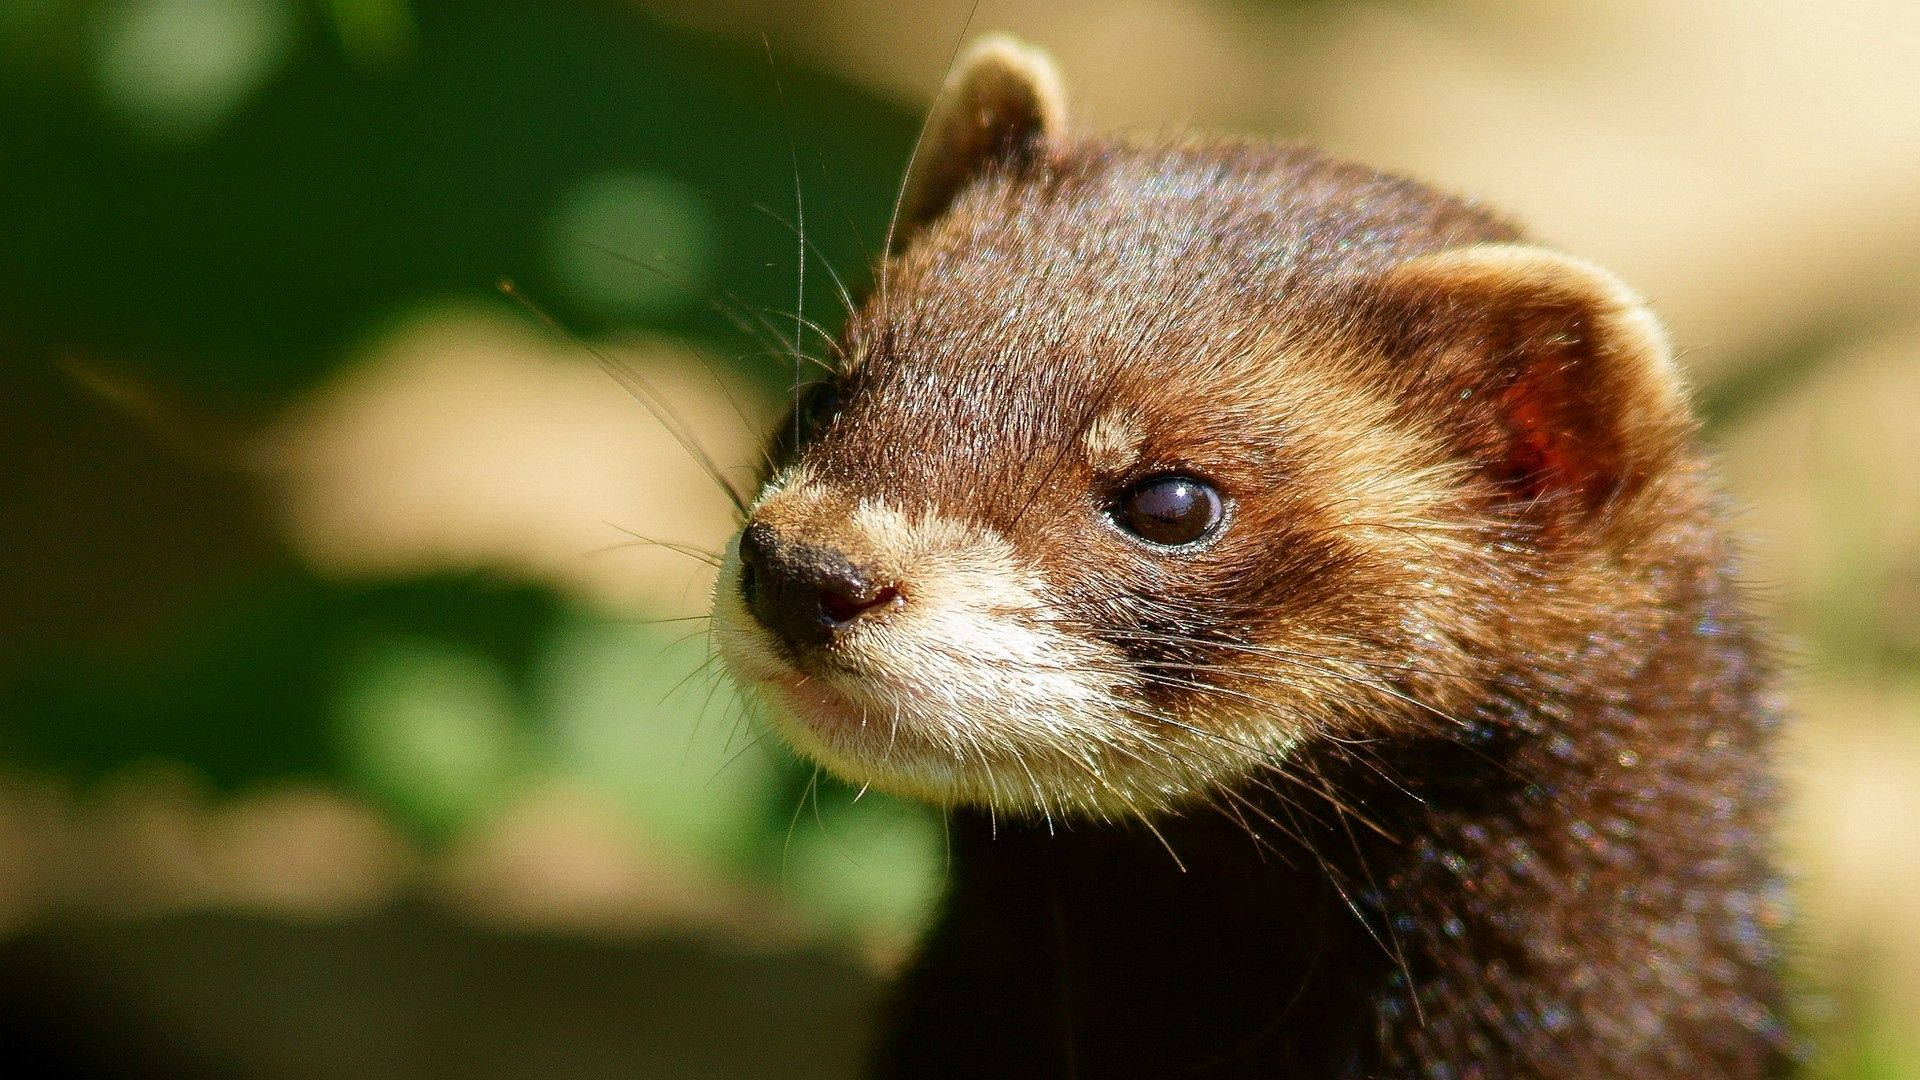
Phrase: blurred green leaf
(245, 696)
(177, 68)
(642, 713)
(373, 31)
(23, 16)
(631, 244)
(429, 727)
(866, 866)
(243, 265)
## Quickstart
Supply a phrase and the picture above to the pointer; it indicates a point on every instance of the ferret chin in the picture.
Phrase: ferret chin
(1308, 600)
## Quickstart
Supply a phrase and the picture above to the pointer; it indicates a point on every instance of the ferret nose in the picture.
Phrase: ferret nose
(801, 592)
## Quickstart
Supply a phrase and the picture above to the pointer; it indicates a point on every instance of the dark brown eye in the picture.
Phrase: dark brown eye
(818, 405)
(1171, 511)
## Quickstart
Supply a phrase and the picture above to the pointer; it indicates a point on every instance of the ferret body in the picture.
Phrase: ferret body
(1309, 602)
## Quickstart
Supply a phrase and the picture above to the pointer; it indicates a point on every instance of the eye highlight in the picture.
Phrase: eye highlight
(1170, 510)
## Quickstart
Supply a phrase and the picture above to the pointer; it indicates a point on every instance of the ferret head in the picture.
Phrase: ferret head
(1149, 467)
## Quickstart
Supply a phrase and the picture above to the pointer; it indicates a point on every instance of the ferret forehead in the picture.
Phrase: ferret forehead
(1110, 252)
(1064, 313)
(1013, 437)
(1255, 215)
(958, 423)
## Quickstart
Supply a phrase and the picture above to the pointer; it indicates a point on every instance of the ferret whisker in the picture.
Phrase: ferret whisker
(839, 285)
(708, 669)
(1294, 832)
(664, 620)
(1279, 763)
(1334, 737)
(1290, 831)
(1316, 669)
(1157, 675)
(913, 156)
(643, 391)
(1273, 760)
(819, 821)
(1392, 943)
(735, 717)
(793, 822)
(1147, 822)
(1317, 665)
(1124, 673)
(800, 219)
(785, 354)
(809, 325)
(710, 658)
(793, 349)
(728, 305)
(757, 739)
(1039, 793)
(861, 242)
(713, 677)
(1132, 807)
(1249, 648)
(691, 551)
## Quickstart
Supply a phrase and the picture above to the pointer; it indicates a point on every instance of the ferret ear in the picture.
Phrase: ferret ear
(1562, 379)
(1001, 105)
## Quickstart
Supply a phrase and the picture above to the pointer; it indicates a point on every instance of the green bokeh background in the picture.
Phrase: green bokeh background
(227, 200)
(225, 197)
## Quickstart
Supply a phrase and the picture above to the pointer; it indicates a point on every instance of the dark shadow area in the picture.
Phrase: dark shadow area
(414, 995)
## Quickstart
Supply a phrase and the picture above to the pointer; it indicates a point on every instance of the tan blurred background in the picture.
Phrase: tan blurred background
(274, 484)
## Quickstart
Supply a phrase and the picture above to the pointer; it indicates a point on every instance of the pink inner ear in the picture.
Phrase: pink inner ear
(1557, 378)
(1531, 455)
(1558, 439)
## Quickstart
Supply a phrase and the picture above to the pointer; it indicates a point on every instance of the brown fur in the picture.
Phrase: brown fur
(1448, 758)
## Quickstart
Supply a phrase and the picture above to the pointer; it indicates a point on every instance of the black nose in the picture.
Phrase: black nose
(802, 592)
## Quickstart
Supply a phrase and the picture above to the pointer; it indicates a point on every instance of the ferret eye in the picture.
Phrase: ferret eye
(819, 404)
(1169, 510)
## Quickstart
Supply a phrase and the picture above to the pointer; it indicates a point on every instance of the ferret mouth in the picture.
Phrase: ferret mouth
(828, 705)
(864, 725)
(842, 722)
(822, 697)
(813, 699)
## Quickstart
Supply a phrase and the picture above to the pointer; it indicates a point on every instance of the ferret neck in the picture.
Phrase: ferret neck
(1582, 881)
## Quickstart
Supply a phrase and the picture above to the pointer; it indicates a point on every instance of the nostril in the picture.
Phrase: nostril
(753, 546)
(755, 540)
(843, 604)
(803, 592)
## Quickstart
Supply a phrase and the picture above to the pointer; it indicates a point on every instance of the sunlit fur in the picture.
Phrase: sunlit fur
(1445, 755)
(1003, 681)
(1111, 444)
(1361, 577)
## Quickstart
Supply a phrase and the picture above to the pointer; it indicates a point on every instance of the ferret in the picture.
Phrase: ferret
(1310, 605)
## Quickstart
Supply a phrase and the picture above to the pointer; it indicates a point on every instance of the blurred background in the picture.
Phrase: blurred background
(350, 724)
